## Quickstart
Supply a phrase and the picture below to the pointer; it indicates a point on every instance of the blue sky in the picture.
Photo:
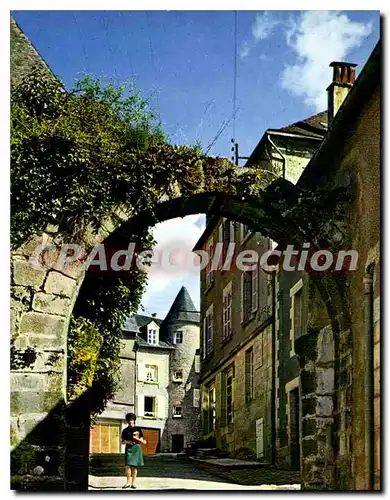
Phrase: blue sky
(186, 59)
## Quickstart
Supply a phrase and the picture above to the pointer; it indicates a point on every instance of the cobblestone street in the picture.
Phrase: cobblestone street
(167, 472)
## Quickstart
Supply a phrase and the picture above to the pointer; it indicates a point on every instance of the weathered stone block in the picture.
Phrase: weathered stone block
(53, 304)
(59, 284)
(324, 406)
(42, 324)
(325, 380)
(25, 274)
(309, 446)
(309, 426)
(325, 346)
(28, 381)
(34, 402)
(309, 406)
(308, 382)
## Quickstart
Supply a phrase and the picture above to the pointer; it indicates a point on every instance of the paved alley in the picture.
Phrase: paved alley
(167, 472)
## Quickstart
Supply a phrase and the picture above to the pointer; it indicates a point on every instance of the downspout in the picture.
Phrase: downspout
(369, 374)
(281, 154)
(273, 381)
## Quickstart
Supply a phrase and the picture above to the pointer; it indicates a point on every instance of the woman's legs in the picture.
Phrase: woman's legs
(133, 475)
(128, 474)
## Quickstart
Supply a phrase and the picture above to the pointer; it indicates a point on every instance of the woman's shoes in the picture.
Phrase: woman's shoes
(133, 487)
(127, 485)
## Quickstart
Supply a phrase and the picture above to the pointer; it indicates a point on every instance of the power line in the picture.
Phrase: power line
(127, 50)
(235, 76)
(152, 58)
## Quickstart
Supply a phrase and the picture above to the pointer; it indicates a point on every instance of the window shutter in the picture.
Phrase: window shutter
(223, 399)
(140, 371)
(255, 285)
(260, 438)
(197, 364)
(204, 336)
(196, 398)
(140, 406)
(242, 295)
(161, 407)
(205, 406)
(211, 319)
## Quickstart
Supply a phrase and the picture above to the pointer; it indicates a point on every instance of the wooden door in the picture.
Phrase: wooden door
(105, 438)
(152, 445)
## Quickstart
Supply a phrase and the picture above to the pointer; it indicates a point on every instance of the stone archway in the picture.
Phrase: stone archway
(46, 433)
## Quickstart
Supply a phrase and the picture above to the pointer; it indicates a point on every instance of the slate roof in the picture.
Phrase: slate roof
(183, 309)
(314, 126)
(138, 321)
(161, 345)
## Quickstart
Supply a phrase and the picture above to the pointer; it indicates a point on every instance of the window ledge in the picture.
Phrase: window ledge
(150, 417)
(151, 382)
(177, 380)
(248, 319)
(177, 416)
(209, 287)
(226, 340)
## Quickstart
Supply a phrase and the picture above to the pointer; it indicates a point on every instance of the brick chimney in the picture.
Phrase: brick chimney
(343, 79)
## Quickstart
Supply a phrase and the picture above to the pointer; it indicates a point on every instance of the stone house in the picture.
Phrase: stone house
(159, 375)
(339, 351)
(239, 377)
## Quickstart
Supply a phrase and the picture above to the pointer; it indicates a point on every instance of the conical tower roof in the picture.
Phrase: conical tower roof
(183, 309)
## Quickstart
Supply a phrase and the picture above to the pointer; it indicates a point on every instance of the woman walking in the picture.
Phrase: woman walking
(133, 438)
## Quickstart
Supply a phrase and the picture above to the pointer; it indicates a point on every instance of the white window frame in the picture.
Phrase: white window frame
(152, 336)
(209, 271)
(245, 234)
(151, 414)
(297, 288)
(208, 332)
(227, 298)
(249, 299)
(197, 363)
(176, 336)
(177, 415)
(151, 369)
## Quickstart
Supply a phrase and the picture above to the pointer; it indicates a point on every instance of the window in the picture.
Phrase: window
(209, 271)
(152, 336)
(149, 407)
(249, 375)
(211, 408)
(178, 338)
(226, 236)
(197, 363)
(151, 373)
(245, 231)
(178, 375)
(229, 395)
(177, 411)
(249, 293)
(196, 398)
(296, 313)
(208, 332)
(227, 312)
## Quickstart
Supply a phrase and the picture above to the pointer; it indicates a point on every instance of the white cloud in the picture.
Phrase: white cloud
(178, 236)
(262, 28)
(318, 38)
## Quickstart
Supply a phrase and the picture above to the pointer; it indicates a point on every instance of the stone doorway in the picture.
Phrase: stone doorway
(177, 443)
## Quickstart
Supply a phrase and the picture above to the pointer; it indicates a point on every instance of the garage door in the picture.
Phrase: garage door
(152, 437)
(105, 438)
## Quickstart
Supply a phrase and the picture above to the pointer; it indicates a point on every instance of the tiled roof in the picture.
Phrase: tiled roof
(136, 322)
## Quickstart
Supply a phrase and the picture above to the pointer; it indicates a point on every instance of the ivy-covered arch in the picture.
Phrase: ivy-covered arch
(121, 178)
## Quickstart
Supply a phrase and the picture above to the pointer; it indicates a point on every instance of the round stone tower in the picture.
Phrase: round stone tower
(181, 328)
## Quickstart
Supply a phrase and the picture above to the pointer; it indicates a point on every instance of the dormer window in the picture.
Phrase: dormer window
(152, 336)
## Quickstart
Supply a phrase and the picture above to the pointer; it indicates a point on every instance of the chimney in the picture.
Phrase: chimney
(154, 315)
(343, 79)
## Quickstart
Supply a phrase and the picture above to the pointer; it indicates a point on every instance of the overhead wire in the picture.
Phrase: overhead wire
(152, 60)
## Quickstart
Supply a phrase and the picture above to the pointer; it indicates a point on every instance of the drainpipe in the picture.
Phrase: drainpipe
(273, 381)
(281, 154)
(369, 375)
